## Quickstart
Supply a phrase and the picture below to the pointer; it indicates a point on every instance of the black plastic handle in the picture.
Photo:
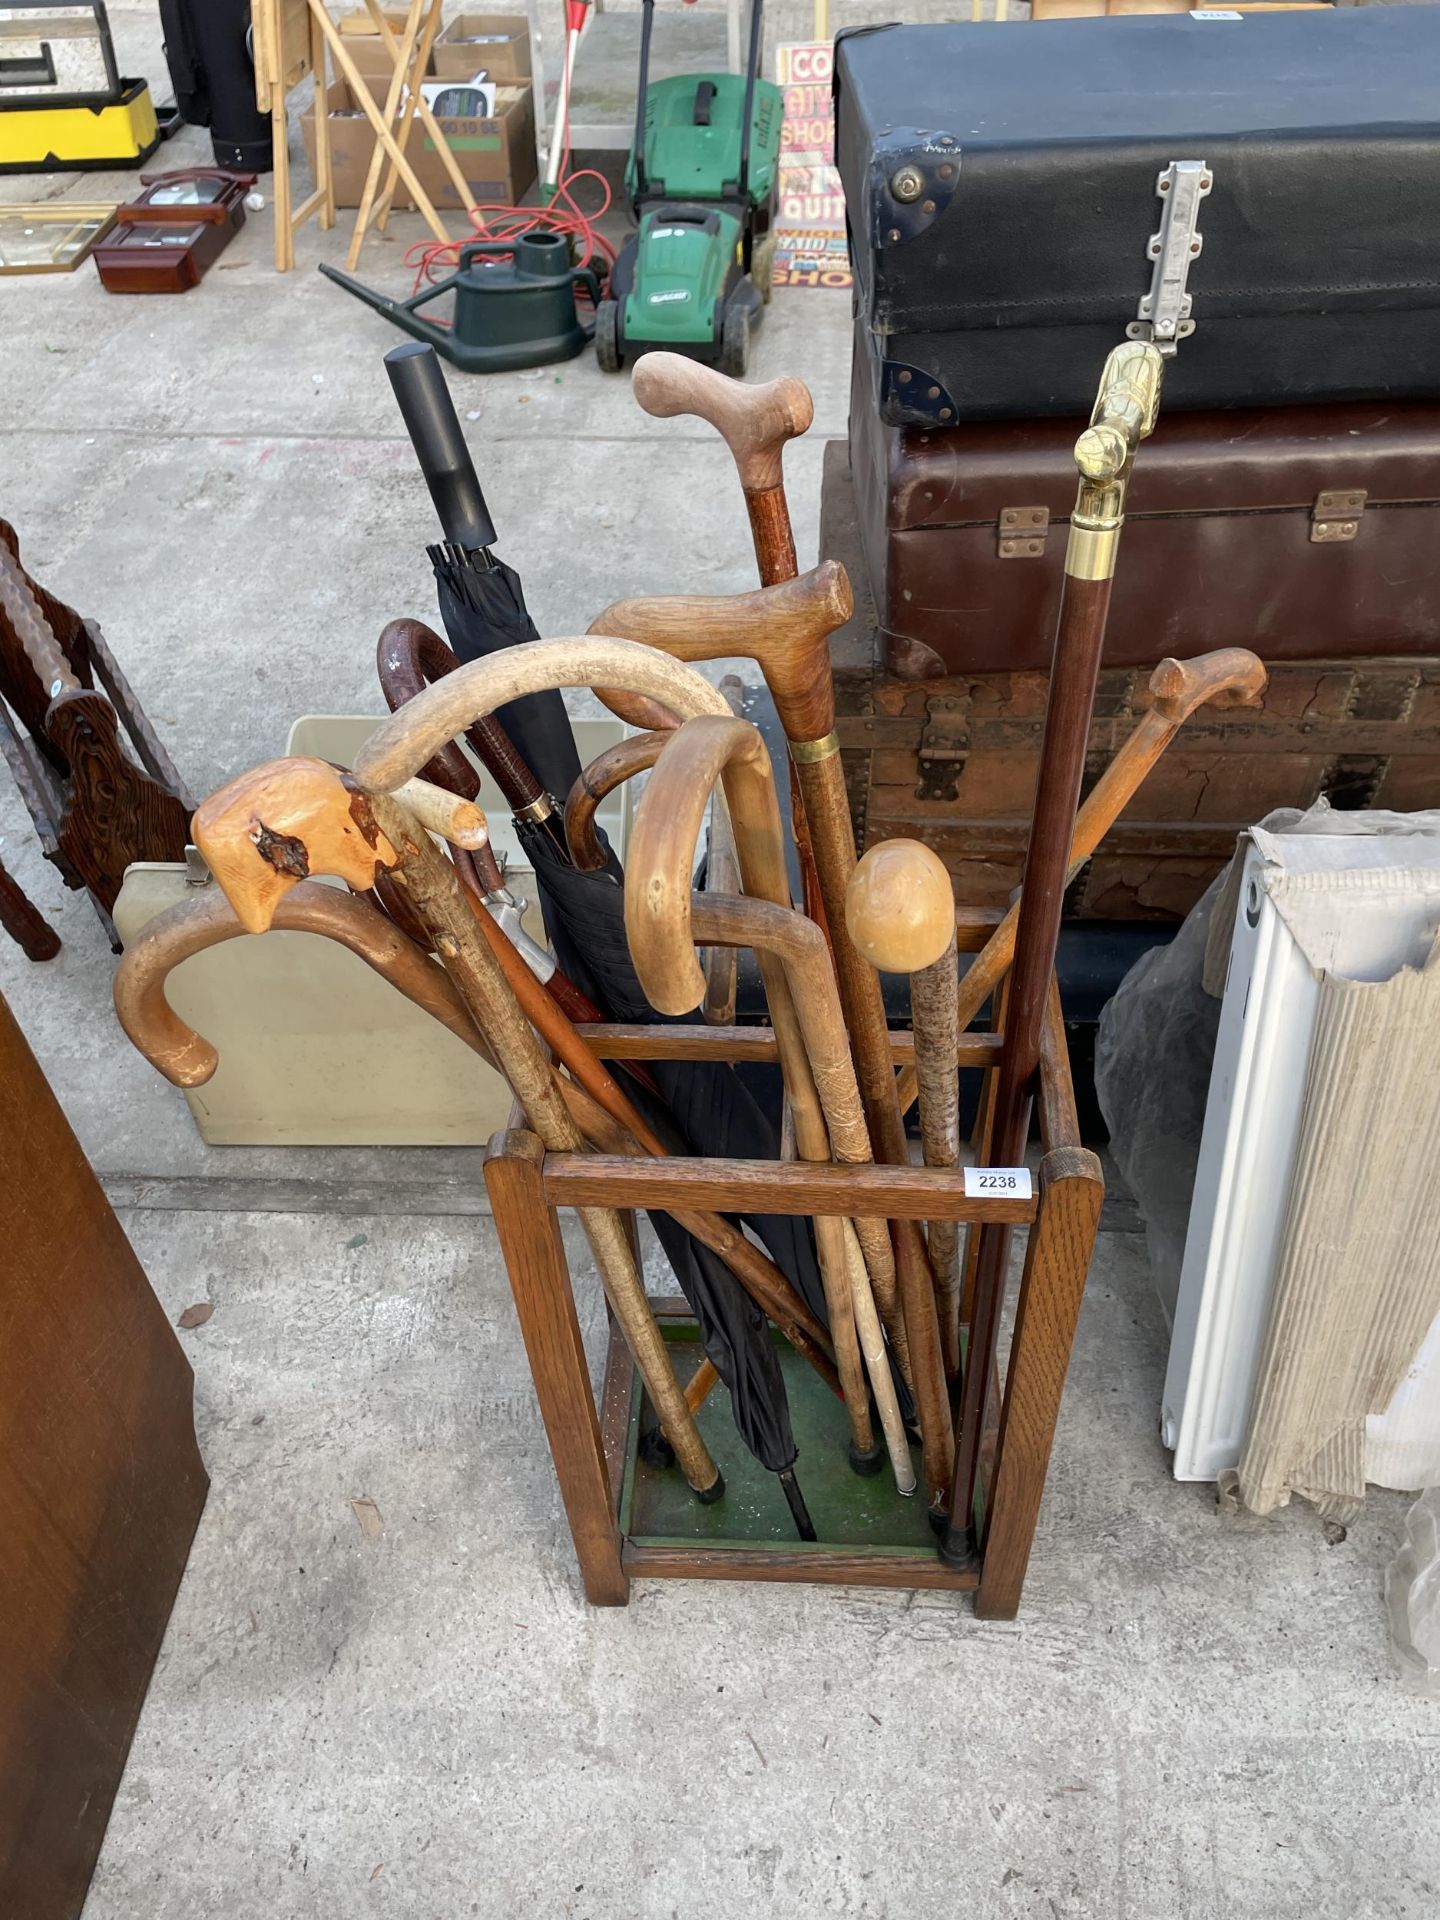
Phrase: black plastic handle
(434, 429)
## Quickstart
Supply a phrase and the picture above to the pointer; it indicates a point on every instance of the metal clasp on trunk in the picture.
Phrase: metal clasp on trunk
(944, 747)
(1022, 532)
(1335, 516)
(1164, 312)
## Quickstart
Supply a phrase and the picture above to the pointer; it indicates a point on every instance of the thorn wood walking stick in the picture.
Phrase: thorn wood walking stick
(1177, 688)
(786, 630)
(1124, 414)
(294, 817)
(900, 912)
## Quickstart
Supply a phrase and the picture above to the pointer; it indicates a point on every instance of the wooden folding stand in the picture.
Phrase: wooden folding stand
(291, 39)
(627, 1518)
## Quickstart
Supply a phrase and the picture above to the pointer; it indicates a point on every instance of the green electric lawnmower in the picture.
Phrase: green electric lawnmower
(702, 179)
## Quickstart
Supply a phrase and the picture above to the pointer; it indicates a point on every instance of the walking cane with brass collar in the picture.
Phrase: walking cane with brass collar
(1124, 415)
(786, 630)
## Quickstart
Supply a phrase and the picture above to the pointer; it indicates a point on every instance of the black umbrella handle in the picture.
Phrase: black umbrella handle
(434, 429)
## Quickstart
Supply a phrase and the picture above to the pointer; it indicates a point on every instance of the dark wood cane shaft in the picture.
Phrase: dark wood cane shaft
(1073, 674)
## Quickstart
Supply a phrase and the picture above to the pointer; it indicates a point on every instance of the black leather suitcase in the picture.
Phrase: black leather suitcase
(1003, 183)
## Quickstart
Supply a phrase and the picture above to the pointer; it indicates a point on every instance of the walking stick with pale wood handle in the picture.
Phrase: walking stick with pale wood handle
(900, 911)
(1124, 415)
(294, 817)
(756, 423)
(786, 630)
(800, 946)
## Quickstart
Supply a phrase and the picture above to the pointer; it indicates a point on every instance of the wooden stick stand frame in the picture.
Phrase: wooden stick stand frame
(592, 1454)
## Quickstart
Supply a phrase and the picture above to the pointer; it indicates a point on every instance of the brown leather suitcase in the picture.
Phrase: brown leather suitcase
(951, 759)
(1306, 533)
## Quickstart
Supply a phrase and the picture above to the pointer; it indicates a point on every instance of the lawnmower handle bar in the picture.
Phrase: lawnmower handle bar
(434, 429)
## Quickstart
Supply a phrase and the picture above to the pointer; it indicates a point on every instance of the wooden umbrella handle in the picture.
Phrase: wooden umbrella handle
(785, 628)
(412, 656)
(755, 422)
(402, 744)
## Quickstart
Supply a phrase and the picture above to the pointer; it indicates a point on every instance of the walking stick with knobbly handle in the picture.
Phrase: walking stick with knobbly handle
(1124, 415)
(786, 630)
(295, 817)
(1177, 688)
(900, 912)
(756, 423)
(409, 737)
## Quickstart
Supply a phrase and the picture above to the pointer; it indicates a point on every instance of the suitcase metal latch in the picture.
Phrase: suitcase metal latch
(1022, 532)
(1164, 312)
(944, 748)
(1336, 517)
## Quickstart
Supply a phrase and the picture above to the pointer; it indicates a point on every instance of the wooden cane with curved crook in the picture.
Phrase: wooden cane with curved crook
(801, 948)
(1177, 688)
(658, 924)
(298, 814)
(786, 629)
(411, 735)
(900, 911)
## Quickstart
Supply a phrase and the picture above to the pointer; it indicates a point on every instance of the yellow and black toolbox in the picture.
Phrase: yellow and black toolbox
(64, 106)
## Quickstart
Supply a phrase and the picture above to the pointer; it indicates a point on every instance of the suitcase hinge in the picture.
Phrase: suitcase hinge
(1022, 531)
(1336, 517)
(944, 748)
(1164, 312)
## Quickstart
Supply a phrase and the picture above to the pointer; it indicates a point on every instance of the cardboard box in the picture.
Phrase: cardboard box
(360, 26)
(496, 156)
(498, 42)
(375, 65)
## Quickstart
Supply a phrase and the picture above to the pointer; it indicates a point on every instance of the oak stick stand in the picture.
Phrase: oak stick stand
(594, 1448)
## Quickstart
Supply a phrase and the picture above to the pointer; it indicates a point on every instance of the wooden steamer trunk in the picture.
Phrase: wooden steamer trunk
(947, 754)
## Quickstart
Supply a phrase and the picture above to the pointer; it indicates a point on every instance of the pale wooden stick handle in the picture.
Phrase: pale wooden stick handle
(445, 814)
(401, 745)
(754, 421)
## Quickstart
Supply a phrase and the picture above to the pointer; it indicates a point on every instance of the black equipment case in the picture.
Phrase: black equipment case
(1002, 178)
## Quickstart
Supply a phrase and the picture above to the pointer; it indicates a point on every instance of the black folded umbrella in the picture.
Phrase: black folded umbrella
(708, 1110)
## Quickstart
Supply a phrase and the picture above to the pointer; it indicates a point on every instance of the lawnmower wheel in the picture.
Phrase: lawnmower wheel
(607, 336)
(762, 266)
(735, 341)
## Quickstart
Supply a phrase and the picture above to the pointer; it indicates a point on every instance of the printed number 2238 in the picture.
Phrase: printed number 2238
(991, 1183)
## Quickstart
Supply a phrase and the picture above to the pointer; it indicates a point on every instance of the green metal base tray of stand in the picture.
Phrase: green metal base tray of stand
(868, 1534)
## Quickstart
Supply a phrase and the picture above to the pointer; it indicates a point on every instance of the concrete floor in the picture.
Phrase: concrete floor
(1195, 1715)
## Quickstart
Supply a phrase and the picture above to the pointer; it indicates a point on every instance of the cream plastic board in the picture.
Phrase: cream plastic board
(315, 1049)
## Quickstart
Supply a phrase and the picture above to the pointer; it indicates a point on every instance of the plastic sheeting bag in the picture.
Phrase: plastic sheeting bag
(1412, 1592)
(1153, 1055)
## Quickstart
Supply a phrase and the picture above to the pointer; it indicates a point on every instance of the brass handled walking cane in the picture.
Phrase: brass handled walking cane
(1125, 411)
(294, 817)
(786, 630)
(900, 912)
(1177, 689)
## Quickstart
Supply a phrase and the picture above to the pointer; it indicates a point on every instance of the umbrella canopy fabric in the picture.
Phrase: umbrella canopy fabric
(483, 610)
